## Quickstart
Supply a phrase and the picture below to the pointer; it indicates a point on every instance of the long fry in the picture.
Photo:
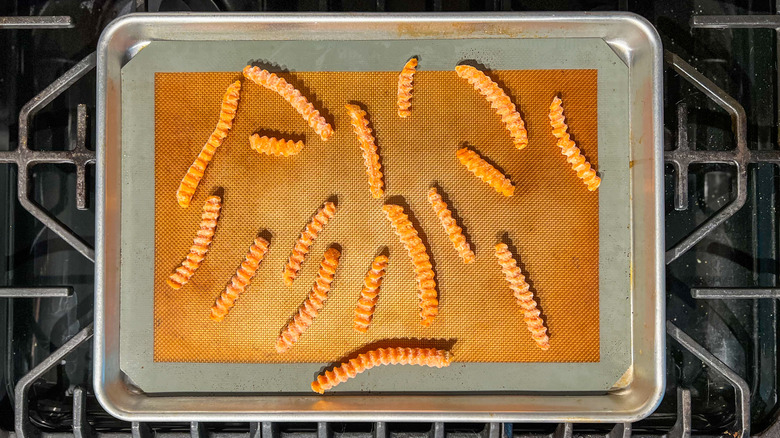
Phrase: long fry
(428, 357)
(364, 311)
(499, 101)
(195, 173)
(311, 307)
(201, 244)
(405, 79)
(368, 146)
(240, 280)
(573, 155)
(524, 296)
(452, 229)
(293, 96)
(426, 285)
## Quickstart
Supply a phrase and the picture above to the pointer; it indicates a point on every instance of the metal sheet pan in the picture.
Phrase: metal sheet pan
(138, 235)
(130, 385)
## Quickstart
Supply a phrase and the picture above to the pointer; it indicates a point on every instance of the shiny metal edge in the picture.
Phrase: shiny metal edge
(137, 338)
(639, 399)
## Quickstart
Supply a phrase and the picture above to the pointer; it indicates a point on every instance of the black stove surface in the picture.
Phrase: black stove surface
(721, 291)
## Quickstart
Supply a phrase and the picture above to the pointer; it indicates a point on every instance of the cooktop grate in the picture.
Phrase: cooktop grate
(721, 220)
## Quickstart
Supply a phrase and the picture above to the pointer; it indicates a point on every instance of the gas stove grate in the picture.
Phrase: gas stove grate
(87, 420)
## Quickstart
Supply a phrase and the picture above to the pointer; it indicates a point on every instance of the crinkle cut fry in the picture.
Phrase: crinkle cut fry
(405, 79)
(569, 148)
(451, 227)
(524, 296)
(368, 145)
(426, 285)
(293, 97)
(484, 171)
(429, 357)
(499, 101)
(304, 318)
(308, 235)
(369, 295)
(200, 245)
(273, 146)
(240, 280)
(195, 173)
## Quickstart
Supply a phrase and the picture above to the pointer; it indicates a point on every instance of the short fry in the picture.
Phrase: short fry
(484, 171)
(274, 146)
(405, 79)
(452, 229)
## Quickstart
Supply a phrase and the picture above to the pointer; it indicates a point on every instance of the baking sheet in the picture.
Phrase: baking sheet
(614, 358)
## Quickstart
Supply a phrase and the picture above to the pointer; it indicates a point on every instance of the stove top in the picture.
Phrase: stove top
(721, 118)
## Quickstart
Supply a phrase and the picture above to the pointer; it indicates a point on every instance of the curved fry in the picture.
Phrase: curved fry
(368, 146)
(569, 148)
(405, 79)
(293, 97)
(450, 226)
(499, 101)
(426, 285)
(304, 242)
(484, 171)
(240, 280)
(524, 296)
(201, 244)
(311, 307)
(369, 295)
(195, 173)
(429, 357)
(274, 146)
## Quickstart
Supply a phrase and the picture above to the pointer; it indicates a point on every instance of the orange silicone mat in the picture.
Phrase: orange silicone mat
(552, 219)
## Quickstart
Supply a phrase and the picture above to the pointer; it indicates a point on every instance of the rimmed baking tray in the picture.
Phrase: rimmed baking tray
(624, 385)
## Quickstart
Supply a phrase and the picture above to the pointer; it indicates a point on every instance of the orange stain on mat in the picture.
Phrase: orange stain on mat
(552, 217)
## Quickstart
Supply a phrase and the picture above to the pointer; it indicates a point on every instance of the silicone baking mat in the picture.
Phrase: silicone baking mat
(552, 220)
